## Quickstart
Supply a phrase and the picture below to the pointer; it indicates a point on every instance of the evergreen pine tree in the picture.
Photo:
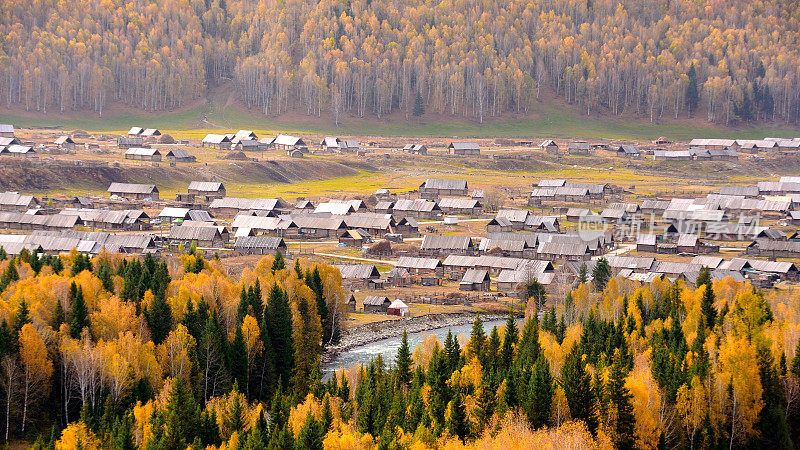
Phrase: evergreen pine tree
(692, 91)
(540, 394)
(477, 337)
(403, 362)
(458, 423)
(159, 319)
(297, 269)
(583, 274)
(620, 397)
(707, 304)
(79, 314)
(601, 274)
(104, 274)
(510, 339)
(577, 385)
(278, 318)
(237, 359)
(278, 263)
(419, 105)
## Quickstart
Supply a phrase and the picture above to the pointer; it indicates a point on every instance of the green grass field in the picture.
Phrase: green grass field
(550, 121)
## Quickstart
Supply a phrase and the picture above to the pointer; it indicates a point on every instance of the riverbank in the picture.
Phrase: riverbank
(372, 332)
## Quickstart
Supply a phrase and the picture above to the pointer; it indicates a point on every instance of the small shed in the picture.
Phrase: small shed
(398, 308)
(143, 154)
(6, 130)
(179, 155)
(220, 141)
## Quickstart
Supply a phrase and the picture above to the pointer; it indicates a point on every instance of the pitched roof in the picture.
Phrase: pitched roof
(472, 276)
(446, 242)
(358, 271)
(263, 242)
(132, 188)
(444, 184)
(411, 262)
(206, 186)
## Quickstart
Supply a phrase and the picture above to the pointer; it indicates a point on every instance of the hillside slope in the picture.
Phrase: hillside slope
(720, 61)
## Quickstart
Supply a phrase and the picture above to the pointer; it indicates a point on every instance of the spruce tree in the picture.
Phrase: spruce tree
(477, 337)
(620, 397)
(104, 273)
(577, 385)
(583, 273)
(403, 361)
(159, 319)
(510, 339)
(237, 360)
(601, 274)
(278, 263)
(540, 394)
(707, 304)
(279, 323)
(79, 314)
(419, 105)
(182, 418)
(458, 423)
(692, 91)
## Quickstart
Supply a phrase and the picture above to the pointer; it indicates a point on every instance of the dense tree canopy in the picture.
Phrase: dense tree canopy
(734, 60)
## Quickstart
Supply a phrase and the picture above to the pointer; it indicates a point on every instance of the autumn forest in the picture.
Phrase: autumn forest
(720, 61)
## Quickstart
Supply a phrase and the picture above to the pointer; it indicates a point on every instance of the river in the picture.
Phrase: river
(387, 348)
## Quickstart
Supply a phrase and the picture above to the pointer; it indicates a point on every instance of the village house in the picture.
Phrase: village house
(578, 148)
(179, 155)
(434, 188)
(398, 277)
(6, 130)
(287, 143)
(628, 151)
(464, 148)
(65, 143)
(440, 245)
(550, 147)
(259, 245)
(360, 276)
(672, 155)
(232, 206)
(774, 249)
(415, 149)
(124, 142)
(425, 271)
(267, 143)
(207, 190)
(499, 224)
(475, 280)
(208, 237)
(708, 144)
(104, 219)
(13, 201)
(517, 248)
(407, 226)
(374, 224)
(376, 304)
(218, 141)
(418, 209)
(135, 131)
(133, 191)
(314, 227)
(460, 206)
(21, 151)
(143, 154)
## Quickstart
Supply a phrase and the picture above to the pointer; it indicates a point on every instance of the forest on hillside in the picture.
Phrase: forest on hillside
(721, 61)
(120, 352)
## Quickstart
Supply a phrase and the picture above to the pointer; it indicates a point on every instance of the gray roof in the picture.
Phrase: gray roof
(267, 242)
(411, 262)
(15, 199)
(284, 139)
(206, 186)
(6, 128)
(216, 139)
(358, 271)
(132, 188)
(459, 203)
(142, 151)
(446, 242)
(464, 146)
(417, 205)
(376, 300)
(194, 233)
(472, 276)
(444, 184)
(247, 204)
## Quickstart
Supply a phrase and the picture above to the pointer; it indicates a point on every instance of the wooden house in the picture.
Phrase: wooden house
(218, 141)
(376, 304)
(464, 148)
(143, 154)
(133, 191)
(65, 143)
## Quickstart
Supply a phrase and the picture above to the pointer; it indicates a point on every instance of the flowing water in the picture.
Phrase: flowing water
(387, 348)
